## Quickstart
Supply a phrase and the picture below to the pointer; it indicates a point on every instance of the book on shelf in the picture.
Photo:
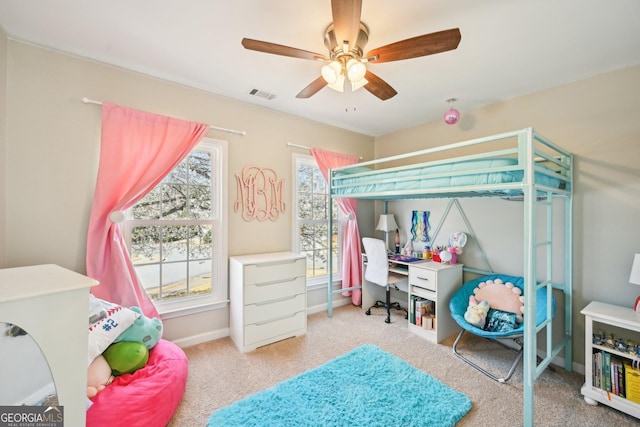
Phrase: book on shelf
(612, 373)
(632, 382)
(620, 380)
(596, 367)
(430, 309)
(421, 308)
(606, 370)
(412, 309)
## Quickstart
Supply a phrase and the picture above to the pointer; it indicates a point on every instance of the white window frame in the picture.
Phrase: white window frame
(219, 224)
(315, 282)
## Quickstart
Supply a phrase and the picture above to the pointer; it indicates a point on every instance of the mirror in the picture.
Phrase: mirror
(25, 377)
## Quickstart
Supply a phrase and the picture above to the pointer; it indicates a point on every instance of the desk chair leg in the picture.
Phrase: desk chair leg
(388, 305)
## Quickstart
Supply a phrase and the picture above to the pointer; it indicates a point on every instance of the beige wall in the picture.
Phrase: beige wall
(53, 148)
(597, 120)
(3, 120)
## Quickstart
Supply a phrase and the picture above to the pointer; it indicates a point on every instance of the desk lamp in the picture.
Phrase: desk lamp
(387, 223)
(634, 278)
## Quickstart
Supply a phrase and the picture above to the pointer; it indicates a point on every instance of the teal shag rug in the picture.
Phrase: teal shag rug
(365, 387)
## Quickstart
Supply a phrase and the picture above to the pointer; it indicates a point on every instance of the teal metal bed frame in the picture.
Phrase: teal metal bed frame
(532, 151)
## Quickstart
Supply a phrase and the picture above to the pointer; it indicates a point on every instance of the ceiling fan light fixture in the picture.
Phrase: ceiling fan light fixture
(345, 38)
(355, 70)
(331, 72)
(338, 85)
(357, 85)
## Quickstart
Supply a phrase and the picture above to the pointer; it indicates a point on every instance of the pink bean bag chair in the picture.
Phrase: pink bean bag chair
(148, 397)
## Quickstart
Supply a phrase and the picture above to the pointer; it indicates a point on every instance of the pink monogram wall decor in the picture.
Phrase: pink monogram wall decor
(259, 194)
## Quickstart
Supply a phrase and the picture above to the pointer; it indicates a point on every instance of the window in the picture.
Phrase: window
(176, 235)
(311, 199)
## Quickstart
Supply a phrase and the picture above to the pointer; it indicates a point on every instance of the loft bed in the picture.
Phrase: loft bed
(520, 165)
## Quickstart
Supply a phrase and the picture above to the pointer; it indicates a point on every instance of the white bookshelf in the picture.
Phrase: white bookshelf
(619, 317)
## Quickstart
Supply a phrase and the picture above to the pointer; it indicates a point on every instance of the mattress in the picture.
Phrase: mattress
(463, 174)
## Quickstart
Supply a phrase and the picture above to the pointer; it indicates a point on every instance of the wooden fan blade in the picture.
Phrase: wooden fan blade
(278, 49)
(346, 20)
(424, 45)
(379, 87)
(313, 88)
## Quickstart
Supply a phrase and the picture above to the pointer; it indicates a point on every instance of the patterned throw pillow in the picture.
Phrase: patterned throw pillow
(114, 320)
(500, 321)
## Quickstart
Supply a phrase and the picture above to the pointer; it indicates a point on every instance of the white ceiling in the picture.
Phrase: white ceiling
(508, 48)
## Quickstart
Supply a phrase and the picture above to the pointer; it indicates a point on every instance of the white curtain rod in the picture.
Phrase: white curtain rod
(304, 147)
(232, 131)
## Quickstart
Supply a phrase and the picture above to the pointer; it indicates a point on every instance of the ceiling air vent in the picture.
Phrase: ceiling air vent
(262, 94)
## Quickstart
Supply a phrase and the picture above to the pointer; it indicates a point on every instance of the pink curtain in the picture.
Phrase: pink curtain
(351, 252)
(137, 151)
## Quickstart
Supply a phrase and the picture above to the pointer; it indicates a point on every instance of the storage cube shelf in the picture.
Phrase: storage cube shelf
(434, 282)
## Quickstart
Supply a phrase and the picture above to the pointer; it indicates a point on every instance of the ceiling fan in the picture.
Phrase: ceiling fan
(345, 39)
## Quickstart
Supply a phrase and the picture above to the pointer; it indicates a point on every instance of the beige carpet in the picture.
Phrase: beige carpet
(219, 374)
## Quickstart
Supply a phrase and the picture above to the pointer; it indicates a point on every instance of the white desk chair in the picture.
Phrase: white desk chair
(377, 271)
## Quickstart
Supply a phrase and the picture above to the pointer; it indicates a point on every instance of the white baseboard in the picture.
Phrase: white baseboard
(559, 361)
(200, 338)
(221, 333)
(323, 307)
(37, 396)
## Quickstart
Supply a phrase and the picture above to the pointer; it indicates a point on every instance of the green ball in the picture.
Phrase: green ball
(126, 357)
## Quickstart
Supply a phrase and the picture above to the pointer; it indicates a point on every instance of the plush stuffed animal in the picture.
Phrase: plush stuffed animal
(98, 376)
(145, 330)
(126, 357)
(476, 313)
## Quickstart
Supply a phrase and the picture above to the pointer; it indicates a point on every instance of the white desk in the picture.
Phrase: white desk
(427, 279)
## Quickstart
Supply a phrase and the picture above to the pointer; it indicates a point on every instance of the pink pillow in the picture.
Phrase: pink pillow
(501, 296)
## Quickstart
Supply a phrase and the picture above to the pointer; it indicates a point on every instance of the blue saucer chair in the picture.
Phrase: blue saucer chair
(458, 306)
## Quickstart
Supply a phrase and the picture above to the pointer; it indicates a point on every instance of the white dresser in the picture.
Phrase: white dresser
(268, 294)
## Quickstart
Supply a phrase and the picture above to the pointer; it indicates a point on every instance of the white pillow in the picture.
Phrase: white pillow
(103, 332)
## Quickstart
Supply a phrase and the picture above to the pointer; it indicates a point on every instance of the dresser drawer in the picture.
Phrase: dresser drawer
(423, 278)
(264, 292)
(265, 311)
(273, 272)
(258, 332)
